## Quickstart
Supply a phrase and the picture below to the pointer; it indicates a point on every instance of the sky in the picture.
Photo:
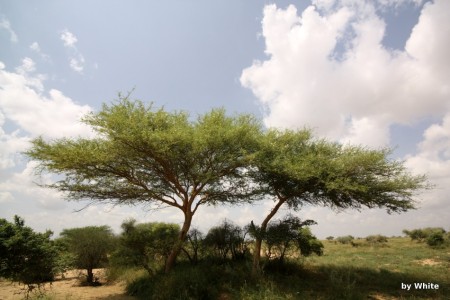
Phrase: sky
(373, 73)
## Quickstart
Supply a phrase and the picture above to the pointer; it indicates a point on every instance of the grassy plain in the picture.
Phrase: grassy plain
(343, 272)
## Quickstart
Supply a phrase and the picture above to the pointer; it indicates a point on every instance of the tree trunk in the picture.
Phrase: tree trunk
(179, 244)
(90, 276)
(257, 256)
(257, 251)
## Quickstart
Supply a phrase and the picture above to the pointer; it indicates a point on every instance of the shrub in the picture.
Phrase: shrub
(435, 239)
(345, 239)
(421, 235)
(308, 243)
(26, 256)
(145, 245)
(183, 282)
(376, 239)
(227, 238)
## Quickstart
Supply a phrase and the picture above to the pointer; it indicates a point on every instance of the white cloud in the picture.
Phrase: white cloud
(23, 183)
(378, 4)
(68, 38)
(30, 113)
(22, 102)
(35, 47)
(5, 197)
(4, 24)
(329, 70)
(28, 66)
(77, 64)
(76, 59)
(433, 159)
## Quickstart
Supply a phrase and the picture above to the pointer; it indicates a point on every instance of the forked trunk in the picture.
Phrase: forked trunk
(179, 244)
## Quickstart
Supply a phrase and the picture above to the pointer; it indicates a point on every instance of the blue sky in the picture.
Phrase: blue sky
(367, 72)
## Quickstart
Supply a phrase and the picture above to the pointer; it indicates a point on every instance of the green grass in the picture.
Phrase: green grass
(343, 272)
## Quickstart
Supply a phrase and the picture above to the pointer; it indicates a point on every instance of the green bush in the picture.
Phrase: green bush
(421, 235)
(377, 239)
(226, 239)
(348, 239)
(436, 239)
(184, 282)
(145, 245)
(26, 256)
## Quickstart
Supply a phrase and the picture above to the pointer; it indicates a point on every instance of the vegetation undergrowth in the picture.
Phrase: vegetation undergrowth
(343, 272)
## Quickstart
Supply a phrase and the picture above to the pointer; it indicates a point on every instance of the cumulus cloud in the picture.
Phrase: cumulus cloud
(328, 69)
(23, 183)
(23, 102)
(27, 111)
(4, 24)
(76, 59)
(433, 159)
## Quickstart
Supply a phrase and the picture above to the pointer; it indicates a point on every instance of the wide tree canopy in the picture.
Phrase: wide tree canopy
(295, 169)
(142, 155)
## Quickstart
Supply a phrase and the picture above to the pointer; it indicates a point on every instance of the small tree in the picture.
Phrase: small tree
(145, 244)
(25, 256)
(330, 238)
(195, 243)
(283, 234)
(416, 234)
(227, 238)
(90, 245)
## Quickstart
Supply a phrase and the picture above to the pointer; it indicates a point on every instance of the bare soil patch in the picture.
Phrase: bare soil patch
(70, 287)
(428, 262)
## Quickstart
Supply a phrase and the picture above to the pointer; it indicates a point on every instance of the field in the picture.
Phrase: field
(69, 288)
(343, 272)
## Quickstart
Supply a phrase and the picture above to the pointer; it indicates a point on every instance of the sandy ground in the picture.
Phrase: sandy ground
(69, 288)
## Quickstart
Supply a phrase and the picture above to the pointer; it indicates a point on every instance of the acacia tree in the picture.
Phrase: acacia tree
(154, 157)
(90, 246)
(294, 170)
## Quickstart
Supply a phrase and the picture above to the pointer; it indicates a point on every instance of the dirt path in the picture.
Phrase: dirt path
(69, 289)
